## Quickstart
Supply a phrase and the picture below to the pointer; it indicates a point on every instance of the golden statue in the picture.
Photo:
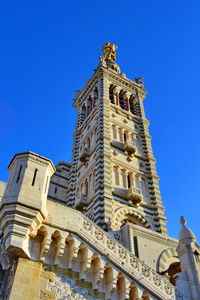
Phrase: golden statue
(109, 51)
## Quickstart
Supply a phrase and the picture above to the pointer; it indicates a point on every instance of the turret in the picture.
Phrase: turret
(23, 205)
(187, 280)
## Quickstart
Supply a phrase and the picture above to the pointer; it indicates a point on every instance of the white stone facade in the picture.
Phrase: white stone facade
(94, 229)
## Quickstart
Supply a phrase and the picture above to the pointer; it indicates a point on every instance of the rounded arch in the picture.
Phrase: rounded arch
(167, 257)
(128, 214)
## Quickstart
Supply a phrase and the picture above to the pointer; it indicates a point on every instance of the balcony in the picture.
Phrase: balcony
(81, 202)
(129, 147)
(134, 196)
(84, 155)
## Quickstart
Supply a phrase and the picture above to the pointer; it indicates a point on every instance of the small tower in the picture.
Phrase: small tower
(113, 176)
(188, 280)
(26, 195)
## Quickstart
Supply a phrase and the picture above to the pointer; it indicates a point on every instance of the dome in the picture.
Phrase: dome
(185, 232)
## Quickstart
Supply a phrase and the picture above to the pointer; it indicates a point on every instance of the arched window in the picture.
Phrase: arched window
(90, 183)
(121, 100)
(123, 177)
(125, 136)
(111, 94)
(138, 145)
(83, 112)
(94, 178)
(129, 180)
(120, 135)
(114, 131)
(144, 187)
(116, 176)
(95, 96)
(86, 187)
(89, 105)
(131, 103)
(88, 143)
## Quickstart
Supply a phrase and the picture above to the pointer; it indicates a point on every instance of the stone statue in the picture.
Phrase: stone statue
(139, 80)
(109, 51)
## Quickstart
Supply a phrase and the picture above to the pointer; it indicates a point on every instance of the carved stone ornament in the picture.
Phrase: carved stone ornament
(134, 262)
(111, 244)
(87, 225)
(99, 235)
(168, 289)
(156, 280)
(145, 271)
(122, 253)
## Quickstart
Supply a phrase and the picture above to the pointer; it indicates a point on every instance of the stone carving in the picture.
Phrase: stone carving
(99, 235)
(109, 51)
(157, 280)
(122, 253)
(111, 244)
(87, 225)
(66, 289)
(168, 289)
(134, 262)
(145, 271)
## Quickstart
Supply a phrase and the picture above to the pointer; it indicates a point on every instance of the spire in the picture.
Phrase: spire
(185, 233)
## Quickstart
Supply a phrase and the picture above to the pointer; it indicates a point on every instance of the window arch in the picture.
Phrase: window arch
(89, 105)
(120, 135)
(131, 104)
(95, 96)
(111, 94)
(129, 180)
(114, 131)
(83, 112)
(123, 177)
(116, 175)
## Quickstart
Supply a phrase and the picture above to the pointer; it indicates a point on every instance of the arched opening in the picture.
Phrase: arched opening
(95, 96)
(131, 104)
(39, 243)
(89, 105)
(95, 269)
(125, 139)
(121, 100)
(121, 288)
(66, 259)
(83, 112)
(129, 180)
(107, 281)
(88, 143)
(111, 94)
(114, 131)
(116, 175)
(82, 260)
(54, 248)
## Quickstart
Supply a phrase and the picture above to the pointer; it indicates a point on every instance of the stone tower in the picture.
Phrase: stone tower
(113, 173)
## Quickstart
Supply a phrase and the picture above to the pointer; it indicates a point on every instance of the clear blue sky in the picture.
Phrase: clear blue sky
(50, 48)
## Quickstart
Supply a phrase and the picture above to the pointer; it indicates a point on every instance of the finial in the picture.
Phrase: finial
(109, 51)
(182, 220)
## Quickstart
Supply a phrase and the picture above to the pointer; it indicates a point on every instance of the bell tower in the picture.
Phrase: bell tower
(113, 178)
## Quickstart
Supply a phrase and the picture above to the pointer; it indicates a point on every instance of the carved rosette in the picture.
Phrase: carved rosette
(122, 253)
(134, 262)
(87, 225)
(156, 280)
(99, 235)
(168, 289)
(145, 271)
(110, 244)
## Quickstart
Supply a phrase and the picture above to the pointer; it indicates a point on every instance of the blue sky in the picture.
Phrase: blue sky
(50, 48)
